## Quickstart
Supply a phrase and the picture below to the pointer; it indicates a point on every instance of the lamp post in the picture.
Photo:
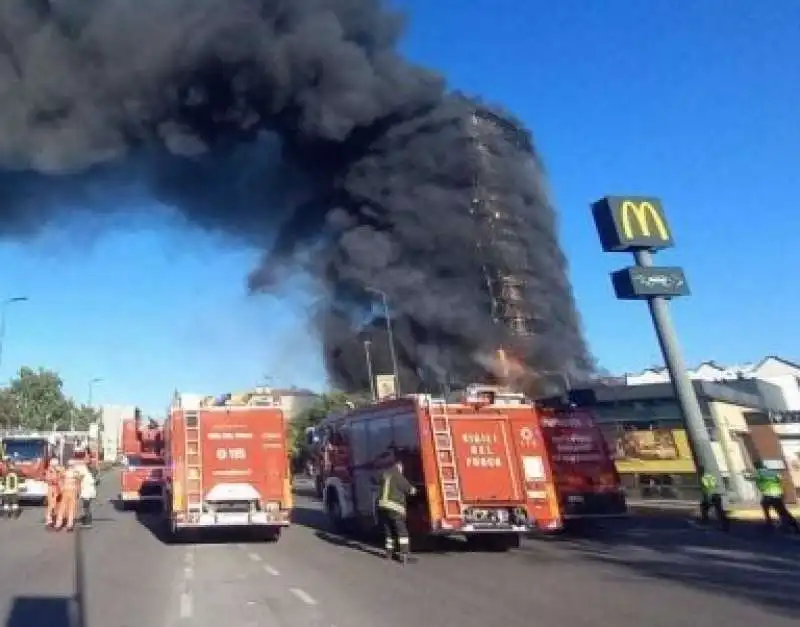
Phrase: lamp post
(3, 311)
(90, 385)
(390, 333)
(368, 357)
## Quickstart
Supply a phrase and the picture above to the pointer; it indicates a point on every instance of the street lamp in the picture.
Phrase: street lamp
(3, 309)
(387, 315)
(91, 385)
(91, 388)
(368, 356)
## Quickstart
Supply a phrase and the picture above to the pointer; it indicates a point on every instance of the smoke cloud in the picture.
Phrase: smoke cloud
(296, 127)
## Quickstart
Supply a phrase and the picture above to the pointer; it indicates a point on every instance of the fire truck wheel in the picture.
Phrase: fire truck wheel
(272, 535)
(334, 511)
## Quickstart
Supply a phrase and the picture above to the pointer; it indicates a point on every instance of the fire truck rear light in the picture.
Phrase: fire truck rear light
(538, 495)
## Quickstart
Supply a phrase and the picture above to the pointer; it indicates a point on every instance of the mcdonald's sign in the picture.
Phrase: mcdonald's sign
(628, 223)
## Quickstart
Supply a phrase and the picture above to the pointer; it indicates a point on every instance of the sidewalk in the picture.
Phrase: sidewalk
(690, 509)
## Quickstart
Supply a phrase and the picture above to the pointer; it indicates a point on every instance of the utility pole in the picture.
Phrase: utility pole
(368, 357)
(390, 333)
(91, 385)
(638, 225)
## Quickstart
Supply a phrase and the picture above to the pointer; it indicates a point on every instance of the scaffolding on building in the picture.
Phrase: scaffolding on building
(502, 250)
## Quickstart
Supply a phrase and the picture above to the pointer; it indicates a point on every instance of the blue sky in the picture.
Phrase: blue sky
(694, 101)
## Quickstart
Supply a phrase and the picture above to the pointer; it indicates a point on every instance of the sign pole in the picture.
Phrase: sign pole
(684, 390)
(638, 225)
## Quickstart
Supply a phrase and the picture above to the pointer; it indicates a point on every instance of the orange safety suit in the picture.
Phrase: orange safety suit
(53, 479)
(68, 504)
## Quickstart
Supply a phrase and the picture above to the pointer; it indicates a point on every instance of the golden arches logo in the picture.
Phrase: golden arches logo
(641, 211)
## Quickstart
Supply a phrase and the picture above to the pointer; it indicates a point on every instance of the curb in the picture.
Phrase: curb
(686, 511)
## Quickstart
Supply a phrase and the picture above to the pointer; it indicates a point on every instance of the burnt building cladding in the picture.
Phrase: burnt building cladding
(519, 284)
(500, 244)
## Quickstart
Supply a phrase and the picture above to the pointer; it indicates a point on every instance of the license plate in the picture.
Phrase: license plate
(233, 518)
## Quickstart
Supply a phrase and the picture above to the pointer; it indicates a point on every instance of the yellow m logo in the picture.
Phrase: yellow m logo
(641, 211)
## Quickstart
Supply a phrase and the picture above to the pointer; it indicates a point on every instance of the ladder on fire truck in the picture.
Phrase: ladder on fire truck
(445, 458)
(194, 459)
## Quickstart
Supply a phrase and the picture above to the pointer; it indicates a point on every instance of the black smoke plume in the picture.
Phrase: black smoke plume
(294, 126)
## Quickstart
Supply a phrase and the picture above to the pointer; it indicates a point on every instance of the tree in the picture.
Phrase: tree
(313, 415)
(35, 400)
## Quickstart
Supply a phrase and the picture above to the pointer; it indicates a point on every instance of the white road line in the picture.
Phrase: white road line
(254, 556)
(188, 573)
(304, 596)
(187, 608)
(272, 571)
(189, 558)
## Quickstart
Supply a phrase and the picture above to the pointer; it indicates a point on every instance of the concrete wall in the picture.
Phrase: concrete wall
(111, 418)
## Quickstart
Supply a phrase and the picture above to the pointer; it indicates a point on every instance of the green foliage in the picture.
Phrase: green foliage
(35, 400)
(313, 415)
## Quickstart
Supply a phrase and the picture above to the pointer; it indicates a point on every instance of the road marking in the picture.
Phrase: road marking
(304, 596)
(272, 571)
(186, 605)
(188, 573)
(189, 558)
(254, 556)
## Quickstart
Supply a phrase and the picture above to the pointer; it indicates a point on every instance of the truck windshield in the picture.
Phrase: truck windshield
(25, 450)
(134, 461)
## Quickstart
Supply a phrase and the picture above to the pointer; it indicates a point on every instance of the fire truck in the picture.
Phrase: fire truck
(490, 466)
(30, 454)
(228, 466)
(142, 477)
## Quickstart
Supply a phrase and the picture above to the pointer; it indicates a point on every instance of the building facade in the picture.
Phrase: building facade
(781, 376)
(647, 435)
(111, 417)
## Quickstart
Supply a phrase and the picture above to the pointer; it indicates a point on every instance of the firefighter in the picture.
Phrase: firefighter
(711, 499)
(770, 486)
(68, 504)
(10, 493)
(88, 492)
(53, 479)
(394, 489)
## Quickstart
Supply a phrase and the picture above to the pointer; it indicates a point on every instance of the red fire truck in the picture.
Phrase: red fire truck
(490, 467)
(142, 478)
(30, 456)
(228, 467)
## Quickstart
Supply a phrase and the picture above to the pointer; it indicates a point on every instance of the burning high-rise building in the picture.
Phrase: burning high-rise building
(520, 322)
(500, 243)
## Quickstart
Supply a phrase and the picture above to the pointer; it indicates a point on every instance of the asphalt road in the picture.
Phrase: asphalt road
(657, 573)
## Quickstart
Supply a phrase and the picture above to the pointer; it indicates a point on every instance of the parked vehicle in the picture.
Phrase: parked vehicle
(228, 467)
(142, 476)
(490, 467)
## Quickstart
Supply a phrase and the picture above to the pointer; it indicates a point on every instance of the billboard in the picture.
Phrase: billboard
(636, 282)
(630, 223)
(385, 386)
(651, 451)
